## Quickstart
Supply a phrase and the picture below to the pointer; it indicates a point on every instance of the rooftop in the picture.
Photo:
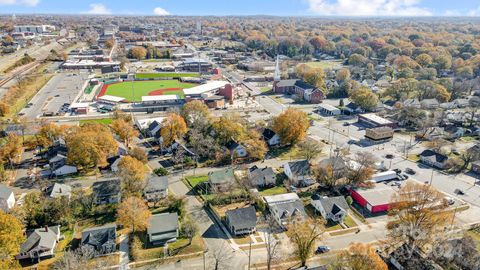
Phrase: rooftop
(210, 86)
(111, 98)
(380, 194)
(160, 98)
(377, 119)
(164, 222)
(281, 198)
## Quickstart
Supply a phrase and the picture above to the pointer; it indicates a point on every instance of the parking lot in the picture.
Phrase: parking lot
(61, 89)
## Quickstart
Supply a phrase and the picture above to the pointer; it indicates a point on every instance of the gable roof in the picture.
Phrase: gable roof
(242, 218)
(221, 176)
(232, 145)
(153, 126)
(161, 223)
(301, 167)
(41, 238)
(336, 162)
(98, 236)
(434, 155)
(261, 173)
(332, 204)
(289, 209)
(58, 190)
(156, 183)
(109, 187)
(268, 133)
(5, 192)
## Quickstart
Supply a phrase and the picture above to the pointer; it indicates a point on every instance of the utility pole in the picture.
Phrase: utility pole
(431, 178)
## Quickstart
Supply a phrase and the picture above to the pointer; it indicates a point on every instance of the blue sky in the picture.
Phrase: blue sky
(249, 7)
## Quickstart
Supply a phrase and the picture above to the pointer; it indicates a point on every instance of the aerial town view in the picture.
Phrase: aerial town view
(240, 135)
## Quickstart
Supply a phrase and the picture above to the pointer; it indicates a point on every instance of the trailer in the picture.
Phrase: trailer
(385, 176)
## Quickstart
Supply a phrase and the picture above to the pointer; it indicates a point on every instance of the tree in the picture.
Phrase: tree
(73, 260)
(173, 128)
(421, 218)
(291, 126)
(356, 60)
(132, 174)
(133, 213)
(309, 149)
(229, 127)
(303, 235)
(424, 60)
(195, 112)
(189, 228)
(315, 77)
(221, 256)
(139, 154)
(4, 109)
(255, 145)
(343, 75)
(109, 43)
(124, 130)
(271, 244)
(365, 98)
(89, 145)
(364, 170)
(138, 52)
(48, 133)
(359, 257)
(11, 237)
(11, 149)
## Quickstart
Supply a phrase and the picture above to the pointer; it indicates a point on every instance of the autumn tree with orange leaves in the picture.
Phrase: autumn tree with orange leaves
(173, 127)
(133, 213)
(291, 126)
(359, 257)
(124, 130)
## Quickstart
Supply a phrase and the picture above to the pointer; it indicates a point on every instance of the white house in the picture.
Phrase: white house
(271, 137)
(298, 172)
(236, 149)
(333, 208)
(7, 198)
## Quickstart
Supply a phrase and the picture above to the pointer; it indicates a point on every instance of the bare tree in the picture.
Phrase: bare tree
(309, 149)
(221, 256)
(303, 235)
(271, 244)
(364, 169)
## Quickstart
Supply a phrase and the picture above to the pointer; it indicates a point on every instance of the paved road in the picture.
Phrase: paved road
(39, 52)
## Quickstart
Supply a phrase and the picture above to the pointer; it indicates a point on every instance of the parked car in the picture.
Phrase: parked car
(410, 171)
(449, 200)
(322, 249)
(459, 192)
(398, 171)
(346, 124)
(389, 156)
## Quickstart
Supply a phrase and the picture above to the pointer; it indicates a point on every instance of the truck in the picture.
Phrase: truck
(385, 176)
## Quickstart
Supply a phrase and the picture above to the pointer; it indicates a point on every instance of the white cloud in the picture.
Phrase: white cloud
(99, 9)
(474, 12)
(367, 8)
(30, 3)
(160, 11)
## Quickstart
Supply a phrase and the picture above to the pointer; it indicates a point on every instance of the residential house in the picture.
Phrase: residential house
(434, 159)
(163, 228)
(59, 167)
(333, 208)
(98, 241)
(59, 190)
(433, 133)
(285, 207)
(7, 198)
(107, 191)
(241, 221)
(153, 128)
(270, 137)
(299, 172)
(156, 188)
(431, 103)
(236, 150)
(339, 165)
(461, 102)
(292, 87)
(412, 103)
(221, 180)
(40, 243)
(122, 149)
(112, 164)
(317, 96)
(262, 177)
(475, 150)
(353, 108)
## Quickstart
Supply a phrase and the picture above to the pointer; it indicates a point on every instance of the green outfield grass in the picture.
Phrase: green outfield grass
(165, 75)
(143, 88)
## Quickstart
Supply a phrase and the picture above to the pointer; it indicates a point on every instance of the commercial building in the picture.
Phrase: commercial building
(327, 109)
(110, 100)
(379, 134)
(373, 120)
(196, 65)
(89, 64)
(376, 199)
(161, 100)
(37, 29)
(205, 90)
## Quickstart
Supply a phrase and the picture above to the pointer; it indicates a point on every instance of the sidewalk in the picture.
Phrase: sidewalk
(124, 252)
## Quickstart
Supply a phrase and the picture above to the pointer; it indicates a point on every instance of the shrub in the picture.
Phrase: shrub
(161, 171)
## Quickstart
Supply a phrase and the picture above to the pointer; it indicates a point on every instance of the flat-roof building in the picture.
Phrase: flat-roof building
(373, 120)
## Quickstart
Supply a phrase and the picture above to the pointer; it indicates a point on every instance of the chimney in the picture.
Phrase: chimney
(46, 228)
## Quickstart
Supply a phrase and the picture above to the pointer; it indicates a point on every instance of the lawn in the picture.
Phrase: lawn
(145, 88)
(273, 191)
(195, 180)
(165, 75)
(179, 247)
(103, 121)
(475, 234)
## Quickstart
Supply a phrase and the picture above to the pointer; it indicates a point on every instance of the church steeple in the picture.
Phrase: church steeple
(277, 76)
